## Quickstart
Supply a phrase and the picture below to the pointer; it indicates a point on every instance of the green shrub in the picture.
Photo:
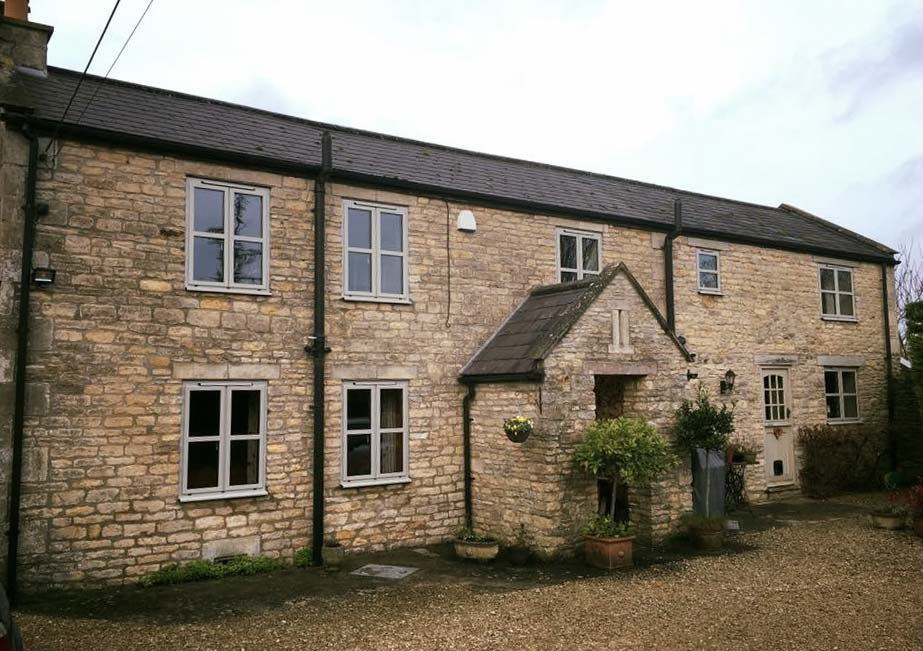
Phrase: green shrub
(836, 458)
(202, 570)
(604, 526)
(303, 557)
(699, 424)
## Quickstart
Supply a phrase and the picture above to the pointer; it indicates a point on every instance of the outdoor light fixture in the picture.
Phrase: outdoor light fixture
(727, 384)
(43, 276)
(691, 376)
(467, 222)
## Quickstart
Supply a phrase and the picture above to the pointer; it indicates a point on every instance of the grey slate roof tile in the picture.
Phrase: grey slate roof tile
(175, 119)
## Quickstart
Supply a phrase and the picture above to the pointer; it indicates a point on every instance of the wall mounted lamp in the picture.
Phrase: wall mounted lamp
(727, 384)
(43, 275)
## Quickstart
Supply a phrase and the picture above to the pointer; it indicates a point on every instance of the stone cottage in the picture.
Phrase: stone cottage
(225, 330)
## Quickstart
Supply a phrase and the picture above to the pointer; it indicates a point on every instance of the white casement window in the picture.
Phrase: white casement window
(223, 440)
(227, 237)
(837, 300)
(375, 252)
(841, 394)
(708, 271)
(579, 255)
(375, 441)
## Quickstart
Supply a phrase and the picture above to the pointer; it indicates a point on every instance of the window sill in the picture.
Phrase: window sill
(843, 319)
(376, 299)
(360, 483)
(228, 290)
(711, 292)
(842, 421)
(229, 495)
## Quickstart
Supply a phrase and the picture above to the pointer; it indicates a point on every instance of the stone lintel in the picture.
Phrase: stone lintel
(373, 372)
(775, 359)
(840, 360)
(198, 371)
(624, 368)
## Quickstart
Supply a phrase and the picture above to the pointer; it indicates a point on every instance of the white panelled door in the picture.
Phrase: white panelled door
(777, 413)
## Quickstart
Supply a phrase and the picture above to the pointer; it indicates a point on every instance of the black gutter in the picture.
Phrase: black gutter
(22, 350)
(466, 443)
(889, 368)
(318, 347)
(668, 263)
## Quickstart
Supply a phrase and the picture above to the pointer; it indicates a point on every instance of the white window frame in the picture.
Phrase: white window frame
(223, 490)
(376, 295)
(837, 316)
(785, 405)
(579, 270)
(841, 394)
(376, 477)
(699, 271)
(228, 237)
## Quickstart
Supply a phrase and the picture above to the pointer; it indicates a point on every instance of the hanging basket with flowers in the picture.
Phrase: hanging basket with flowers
(517, 429)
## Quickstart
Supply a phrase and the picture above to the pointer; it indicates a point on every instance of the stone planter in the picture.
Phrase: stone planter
(608, 553)
(888, 521)
(707, 539)
(333, 556)
(918, 526)
(476, 551)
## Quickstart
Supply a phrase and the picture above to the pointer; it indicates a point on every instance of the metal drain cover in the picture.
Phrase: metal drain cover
(385, 571)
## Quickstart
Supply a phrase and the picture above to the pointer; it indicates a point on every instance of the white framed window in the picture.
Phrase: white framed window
(841, 394)
(375, 433)
(223, 450)
(708, 271)
(578, 255)
(776, 410)
(375, 252)
(227, 237)
(837, 298)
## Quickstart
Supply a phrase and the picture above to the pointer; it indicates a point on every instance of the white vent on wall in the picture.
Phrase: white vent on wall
(466, 222)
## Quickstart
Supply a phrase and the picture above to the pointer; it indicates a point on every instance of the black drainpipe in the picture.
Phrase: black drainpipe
(668, 262)
(889, 369)
(466, 435)
(22, 349)
(318, 346)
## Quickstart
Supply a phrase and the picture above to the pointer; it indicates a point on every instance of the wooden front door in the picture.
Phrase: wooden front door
(779, 440)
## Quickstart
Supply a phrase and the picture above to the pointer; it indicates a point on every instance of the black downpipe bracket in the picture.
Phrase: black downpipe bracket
(889, 367)
(318, 346)
(22, 345)
(466, 435)
(668, 262)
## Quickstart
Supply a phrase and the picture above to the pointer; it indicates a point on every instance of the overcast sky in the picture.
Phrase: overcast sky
(817, 104)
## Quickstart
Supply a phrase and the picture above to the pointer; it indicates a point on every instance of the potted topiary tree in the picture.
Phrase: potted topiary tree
(701, 425)
(621, 450)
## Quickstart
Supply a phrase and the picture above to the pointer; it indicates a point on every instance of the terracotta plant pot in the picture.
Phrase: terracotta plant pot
(476, 551)
(888, 521)
(608, 553)
(333, 556)
(918, 526)
(707, 539)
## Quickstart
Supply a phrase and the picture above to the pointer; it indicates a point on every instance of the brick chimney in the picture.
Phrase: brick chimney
(23, 44)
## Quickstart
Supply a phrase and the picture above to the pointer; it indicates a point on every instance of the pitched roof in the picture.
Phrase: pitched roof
(529, 334)
(154, 117)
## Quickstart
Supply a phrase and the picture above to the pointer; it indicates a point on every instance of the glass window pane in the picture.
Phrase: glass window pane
(708, 280)
(766, 381)
(568, 244)
(358, 409)
(708, 262)
(849, 381)
(768, 413)
(392, 408)
(358, 454)
(208, 259)
(360, 272)
(248, 215)
(845, 280)
(392, 274)
(245, 412)
(833, 406)
(204, 413)
(248, 263)
(202, 465)
(392, 231)
(208, 210)
(828, 302)
(831, 382)
(568, 276)
(826, 279)
(391, 452)
(245, 463)
(846, 307)
(590, 254)
(850, 407)
(359, 228)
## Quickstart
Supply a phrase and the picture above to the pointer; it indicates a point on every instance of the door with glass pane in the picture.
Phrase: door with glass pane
(779, 440)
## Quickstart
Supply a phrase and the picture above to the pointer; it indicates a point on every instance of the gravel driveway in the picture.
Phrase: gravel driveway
(802, 575)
